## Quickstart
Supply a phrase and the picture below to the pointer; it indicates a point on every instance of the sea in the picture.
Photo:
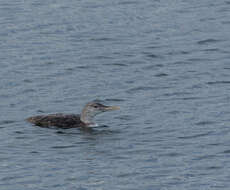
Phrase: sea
(166, 63)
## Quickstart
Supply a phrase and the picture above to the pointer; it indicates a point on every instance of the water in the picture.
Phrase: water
(165, 63)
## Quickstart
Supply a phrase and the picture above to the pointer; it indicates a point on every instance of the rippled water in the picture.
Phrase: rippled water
(165, 63)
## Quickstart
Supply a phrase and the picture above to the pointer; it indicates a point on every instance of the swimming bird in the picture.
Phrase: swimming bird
(65, 121)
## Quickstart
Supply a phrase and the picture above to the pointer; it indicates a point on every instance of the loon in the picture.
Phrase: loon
(66, 121)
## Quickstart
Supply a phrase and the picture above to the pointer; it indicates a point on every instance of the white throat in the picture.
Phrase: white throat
(87, 119)
(87, 116)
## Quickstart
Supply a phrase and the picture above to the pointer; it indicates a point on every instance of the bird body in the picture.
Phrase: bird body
(58, 120)
(66, 121)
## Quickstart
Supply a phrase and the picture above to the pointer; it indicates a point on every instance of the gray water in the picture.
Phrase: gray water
(165, 63)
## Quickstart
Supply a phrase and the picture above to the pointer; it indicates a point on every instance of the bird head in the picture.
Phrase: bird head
(94, 108)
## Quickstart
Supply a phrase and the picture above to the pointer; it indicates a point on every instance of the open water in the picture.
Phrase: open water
(166, 63)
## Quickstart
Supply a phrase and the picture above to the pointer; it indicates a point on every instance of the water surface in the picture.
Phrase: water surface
(165, 63)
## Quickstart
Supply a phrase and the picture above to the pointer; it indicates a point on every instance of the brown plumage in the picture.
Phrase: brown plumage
(66, 121)
(57, 120)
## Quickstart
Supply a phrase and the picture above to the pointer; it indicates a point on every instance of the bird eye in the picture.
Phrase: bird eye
(95, 106)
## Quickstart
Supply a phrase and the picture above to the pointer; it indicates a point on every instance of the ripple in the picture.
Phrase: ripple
(102, 39)
(102, 57)
(226, 22)
(27, 91)
(171, 154)
(208, 41)
(226, 152)
(176, 94)
(63, 147)
(154, 66)
(141, 88)
(196, 136)
(19, 132)
(119, 64)
(213, 168)
(114, 100)
(83, 67)
(161, 75)
(23, 137)
(218, 82)
(128, 3)
(151, 55)
(205, 123)
(125, 117)
(198, 59)
(205, 157)
(128, 174)
(174, 112)
(211, 50)
(7, 122)
(182, 98)
(153, 47)
(178, 53)
(215, 144)
(49, 63)
(27, 81)
(34, 152)
(181, 62)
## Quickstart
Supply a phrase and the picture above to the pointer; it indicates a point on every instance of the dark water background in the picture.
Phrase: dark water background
(165, 63)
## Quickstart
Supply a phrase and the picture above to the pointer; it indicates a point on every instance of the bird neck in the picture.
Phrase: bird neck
(87, 117)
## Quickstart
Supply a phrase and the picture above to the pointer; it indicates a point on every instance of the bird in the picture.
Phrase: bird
(66, 121)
